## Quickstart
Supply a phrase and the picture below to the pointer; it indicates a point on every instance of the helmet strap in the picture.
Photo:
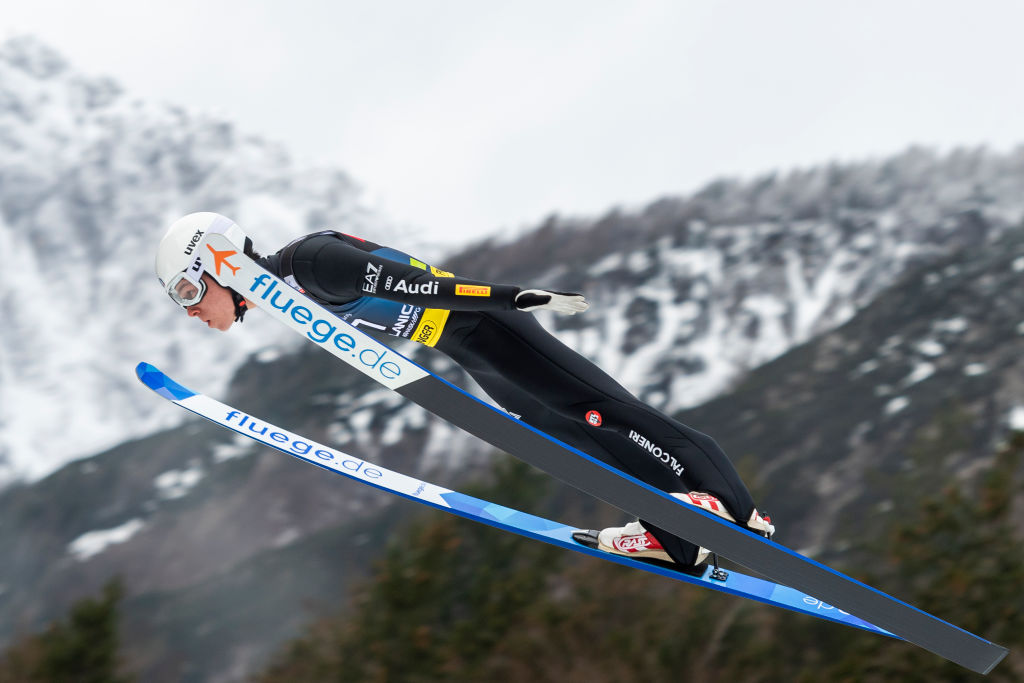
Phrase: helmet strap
(240, 307)
(239, 300)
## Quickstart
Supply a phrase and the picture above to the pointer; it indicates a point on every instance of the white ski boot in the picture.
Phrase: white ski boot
(633, 540)
(761, 523)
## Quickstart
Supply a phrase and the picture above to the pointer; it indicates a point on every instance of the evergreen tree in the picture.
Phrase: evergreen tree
(960, 558)
(446, 592)
(455, 601)
(82, 649)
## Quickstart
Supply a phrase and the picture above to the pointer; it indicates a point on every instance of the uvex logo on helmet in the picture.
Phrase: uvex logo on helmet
(193, 242)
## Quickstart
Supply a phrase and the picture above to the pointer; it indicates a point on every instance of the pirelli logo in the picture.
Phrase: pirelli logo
(472, 290)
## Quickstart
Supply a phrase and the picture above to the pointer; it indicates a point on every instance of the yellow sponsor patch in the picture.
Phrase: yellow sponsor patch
(429, 329)
(472, 290)
(423, 266)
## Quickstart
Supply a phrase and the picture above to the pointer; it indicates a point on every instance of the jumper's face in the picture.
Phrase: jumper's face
(216, 308)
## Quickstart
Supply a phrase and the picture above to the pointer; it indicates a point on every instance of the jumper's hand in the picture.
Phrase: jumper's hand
(560, 302)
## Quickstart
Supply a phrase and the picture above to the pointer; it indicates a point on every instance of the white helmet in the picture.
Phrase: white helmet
(179, 262)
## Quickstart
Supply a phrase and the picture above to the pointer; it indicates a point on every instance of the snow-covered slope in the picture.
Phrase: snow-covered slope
(89, 179)
(689, 293)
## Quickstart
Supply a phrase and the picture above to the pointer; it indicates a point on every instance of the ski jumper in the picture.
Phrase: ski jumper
(521, 366)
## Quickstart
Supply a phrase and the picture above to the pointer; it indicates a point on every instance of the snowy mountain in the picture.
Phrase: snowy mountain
(689, 293)
(224, 546)
(89, 179)
(811, 321)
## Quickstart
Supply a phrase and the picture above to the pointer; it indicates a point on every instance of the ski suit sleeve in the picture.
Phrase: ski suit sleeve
(336, 271)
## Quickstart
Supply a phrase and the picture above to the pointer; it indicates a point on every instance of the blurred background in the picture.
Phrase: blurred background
(800, 227)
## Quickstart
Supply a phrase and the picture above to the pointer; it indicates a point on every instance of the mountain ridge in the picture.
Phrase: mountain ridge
(89, 179)
(812, 322)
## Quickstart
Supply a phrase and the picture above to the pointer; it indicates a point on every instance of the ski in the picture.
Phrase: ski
(521, 523)
(780, 564)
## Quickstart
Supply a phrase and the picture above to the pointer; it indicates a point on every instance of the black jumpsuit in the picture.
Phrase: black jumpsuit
(522, 367)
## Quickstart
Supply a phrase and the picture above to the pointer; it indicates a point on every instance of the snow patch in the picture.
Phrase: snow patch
(864, 241)
(408, 419)
(361, 420)
(689, 311)
(177, 483)
(638, 262)
(890, 345)
(95, 542)
(975, 369)
(811, 298)
(896, 405)
(286, 537)
(953, 325)
(921, 372)
(930, 348)
(867, 366)
(238, 448)
(268, 355)
(607, 264)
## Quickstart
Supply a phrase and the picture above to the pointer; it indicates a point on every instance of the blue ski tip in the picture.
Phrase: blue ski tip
(151, 376)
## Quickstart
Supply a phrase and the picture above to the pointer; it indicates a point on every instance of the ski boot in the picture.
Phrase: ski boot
(633, 540)
(759, 522)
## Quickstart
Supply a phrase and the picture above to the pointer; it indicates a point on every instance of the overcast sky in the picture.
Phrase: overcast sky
(466, 116)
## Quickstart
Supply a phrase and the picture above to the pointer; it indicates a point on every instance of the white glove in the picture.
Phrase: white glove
(560, 302)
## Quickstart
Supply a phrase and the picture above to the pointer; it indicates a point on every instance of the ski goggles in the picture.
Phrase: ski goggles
(185, 291)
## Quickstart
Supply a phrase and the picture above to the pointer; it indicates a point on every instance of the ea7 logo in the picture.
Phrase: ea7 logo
(371, 278)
